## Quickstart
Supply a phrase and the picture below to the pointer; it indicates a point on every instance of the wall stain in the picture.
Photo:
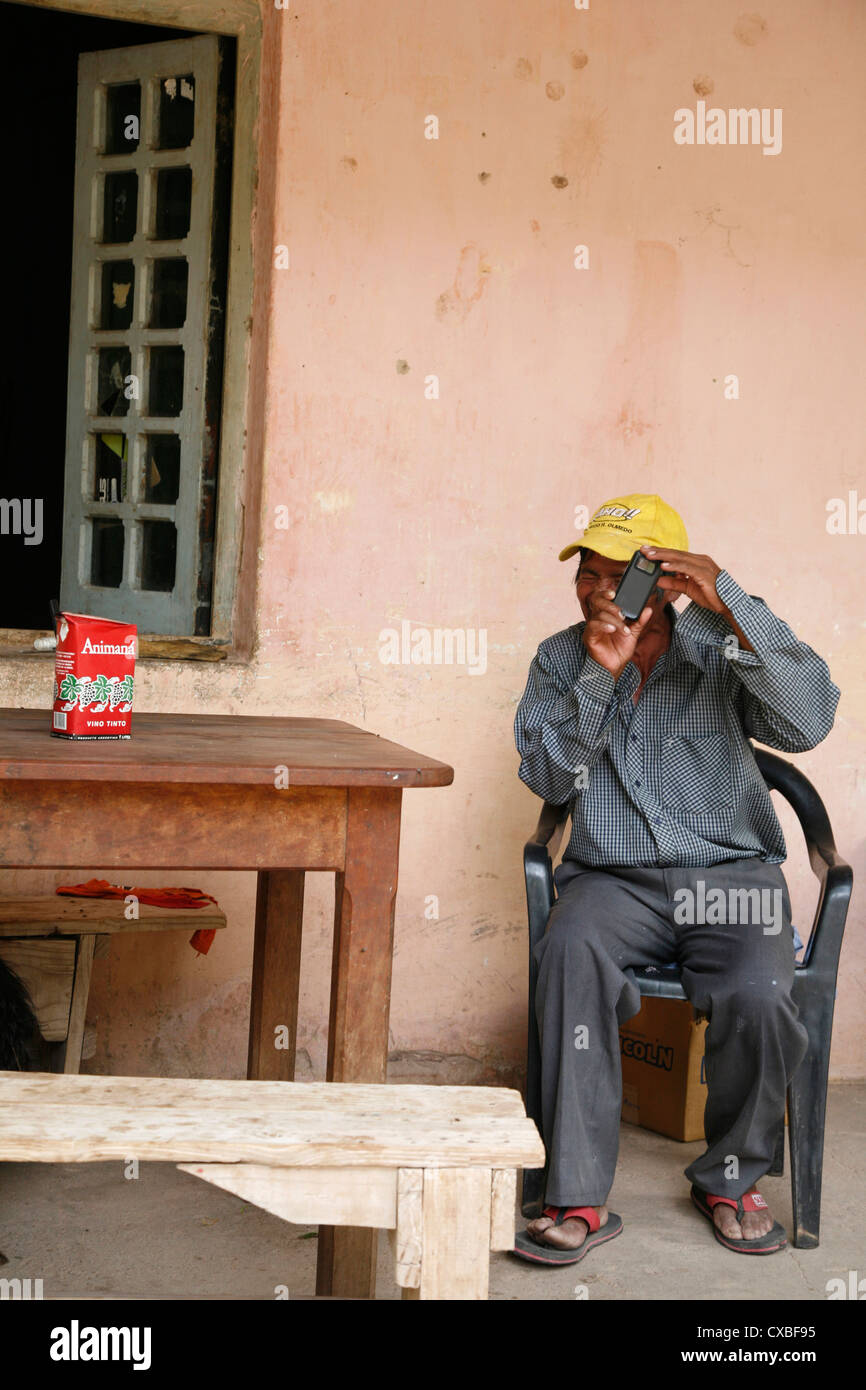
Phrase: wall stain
(581, 147)
(554, 91)
(468, 287)
(639, 399)
(750, 29)
(704, 85)
(523, 68)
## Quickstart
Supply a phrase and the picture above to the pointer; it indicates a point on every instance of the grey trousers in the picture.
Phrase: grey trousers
(738, 972)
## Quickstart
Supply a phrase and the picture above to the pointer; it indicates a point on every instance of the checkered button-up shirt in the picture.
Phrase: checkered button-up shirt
(672, 780)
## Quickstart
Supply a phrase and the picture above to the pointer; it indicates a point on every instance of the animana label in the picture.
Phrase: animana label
(94, 665)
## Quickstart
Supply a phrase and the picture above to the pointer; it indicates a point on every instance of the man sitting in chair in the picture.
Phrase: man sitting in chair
(643, 728)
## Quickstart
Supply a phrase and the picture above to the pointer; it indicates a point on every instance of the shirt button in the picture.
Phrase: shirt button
(637, 784)
(634, 738)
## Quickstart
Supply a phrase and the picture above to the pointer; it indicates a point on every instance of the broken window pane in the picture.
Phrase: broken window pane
(118, 284)
(176, 112)
(110, 453)
(158, 554)
(120, 207)
(106, 555)
(162, 468)
(165, 393)
(111, 380)
(173, 203)
(122, 117)
(168, 302)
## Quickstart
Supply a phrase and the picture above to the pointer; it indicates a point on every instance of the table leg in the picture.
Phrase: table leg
(276, 975)
(360, 1000)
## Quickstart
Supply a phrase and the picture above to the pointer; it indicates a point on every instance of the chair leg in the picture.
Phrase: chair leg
(807, 1104)
(532, 1194)
(777, 1167)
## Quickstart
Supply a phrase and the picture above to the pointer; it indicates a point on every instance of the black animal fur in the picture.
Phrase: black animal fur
(19, 1031)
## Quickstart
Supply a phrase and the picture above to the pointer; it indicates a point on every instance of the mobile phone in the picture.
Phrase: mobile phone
(636, 586)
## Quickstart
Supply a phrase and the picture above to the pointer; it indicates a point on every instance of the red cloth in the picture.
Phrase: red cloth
(201, 940)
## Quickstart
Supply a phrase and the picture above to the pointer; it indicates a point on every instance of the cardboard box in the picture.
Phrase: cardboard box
(664, 1084)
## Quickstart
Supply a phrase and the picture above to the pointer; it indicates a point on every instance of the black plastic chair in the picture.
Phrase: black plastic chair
(814, 989)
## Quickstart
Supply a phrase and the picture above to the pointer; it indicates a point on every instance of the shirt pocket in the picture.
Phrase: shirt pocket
(697, 776)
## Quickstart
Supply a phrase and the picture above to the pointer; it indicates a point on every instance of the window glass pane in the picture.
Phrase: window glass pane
(122, 117)
(110, 453)
(165, 393)
(161, 468)
(120, 208)
(176, 112)
(168, 302)
(114, 367)
(106, 556)
(118, 285)
(158, 554)
(173, 203)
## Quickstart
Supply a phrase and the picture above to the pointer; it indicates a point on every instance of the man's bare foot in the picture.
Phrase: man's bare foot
(753, 1225)
(570, 1235)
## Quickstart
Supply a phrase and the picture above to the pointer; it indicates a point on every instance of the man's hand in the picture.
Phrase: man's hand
(695, 576)
(608, 638)
(692, 575)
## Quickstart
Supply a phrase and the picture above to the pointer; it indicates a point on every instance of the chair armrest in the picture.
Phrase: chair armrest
(551, 824)
(834, 874)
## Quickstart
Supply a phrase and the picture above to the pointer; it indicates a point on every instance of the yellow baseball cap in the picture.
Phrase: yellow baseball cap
(622, 525)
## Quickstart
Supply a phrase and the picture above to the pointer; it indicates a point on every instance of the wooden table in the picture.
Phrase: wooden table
(195, 792)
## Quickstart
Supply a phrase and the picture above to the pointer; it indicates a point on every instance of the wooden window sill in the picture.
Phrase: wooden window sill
(15, 642)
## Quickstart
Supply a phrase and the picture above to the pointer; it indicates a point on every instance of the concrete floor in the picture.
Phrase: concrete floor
(85, 1229)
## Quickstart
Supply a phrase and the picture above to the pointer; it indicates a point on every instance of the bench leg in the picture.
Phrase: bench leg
(68, 1054)
(360, 997)
(455, 1243)
(276, 975)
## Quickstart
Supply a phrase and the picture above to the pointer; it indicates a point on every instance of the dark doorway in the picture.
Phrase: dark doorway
(38, 97)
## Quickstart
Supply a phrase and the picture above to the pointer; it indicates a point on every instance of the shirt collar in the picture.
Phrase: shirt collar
(682, 646)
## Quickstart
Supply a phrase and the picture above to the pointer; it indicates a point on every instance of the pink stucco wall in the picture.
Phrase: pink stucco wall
(558, 387)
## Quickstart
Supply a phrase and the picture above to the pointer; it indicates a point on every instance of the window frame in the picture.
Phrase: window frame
(176, 611)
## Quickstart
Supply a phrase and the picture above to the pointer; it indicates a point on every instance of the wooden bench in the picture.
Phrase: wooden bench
(51, 942)
(434, 1165)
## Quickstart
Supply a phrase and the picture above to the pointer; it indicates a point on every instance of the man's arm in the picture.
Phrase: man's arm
(789, 699)
(561, 726)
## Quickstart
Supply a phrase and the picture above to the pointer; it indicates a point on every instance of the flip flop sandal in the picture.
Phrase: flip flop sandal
(775, 1239)
(539, 1253)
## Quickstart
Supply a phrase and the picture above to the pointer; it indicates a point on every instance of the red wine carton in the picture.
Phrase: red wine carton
(94, 662)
